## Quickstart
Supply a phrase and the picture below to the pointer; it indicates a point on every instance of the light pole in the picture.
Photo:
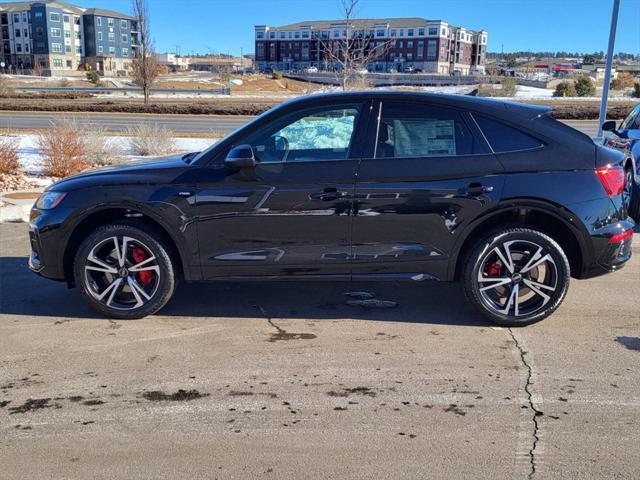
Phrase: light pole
(607, 73)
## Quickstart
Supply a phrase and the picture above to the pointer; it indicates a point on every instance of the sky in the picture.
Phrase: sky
(226, 26)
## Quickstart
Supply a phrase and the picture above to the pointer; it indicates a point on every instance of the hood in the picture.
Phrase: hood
(151, 171)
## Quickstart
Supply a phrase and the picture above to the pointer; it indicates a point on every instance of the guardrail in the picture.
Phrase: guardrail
(218, 91)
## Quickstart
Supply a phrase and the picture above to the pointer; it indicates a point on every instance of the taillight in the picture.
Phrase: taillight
(612, 179)
(621, 237)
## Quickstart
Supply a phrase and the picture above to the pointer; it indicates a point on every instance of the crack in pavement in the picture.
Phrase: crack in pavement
(281, 333)
(536, 412)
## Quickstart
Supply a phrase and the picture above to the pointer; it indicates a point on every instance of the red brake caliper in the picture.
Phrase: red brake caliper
(139, 255)
(493, 270)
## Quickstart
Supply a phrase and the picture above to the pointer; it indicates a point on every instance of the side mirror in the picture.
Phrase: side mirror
(240, 157)
(609, 126)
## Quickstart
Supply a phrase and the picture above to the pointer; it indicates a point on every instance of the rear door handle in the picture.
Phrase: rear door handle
(477, 189)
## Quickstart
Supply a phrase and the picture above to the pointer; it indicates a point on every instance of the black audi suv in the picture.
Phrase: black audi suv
(355, 186)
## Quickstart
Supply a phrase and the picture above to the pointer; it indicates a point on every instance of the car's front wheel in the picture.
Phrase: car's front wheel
(124, 271)
(516, 276)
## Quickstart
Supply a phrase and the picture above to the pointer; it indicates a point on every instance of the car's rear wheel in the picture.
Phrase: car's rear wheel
(124, 271)
(630, 195)
(516, 276)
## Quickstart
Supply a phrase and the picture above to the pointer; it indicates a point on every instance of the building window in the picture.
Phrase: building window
(100, 49)
(54, 17)
(56, 32)
(24, 17)
(56, 47)
(76, 20)
(69, 64)
(379, 33)
(260, 35)
(444, 32)
(410, 56)
(433, 31)
(283, 35)
(112, 37)
(125, 52)
(272, 35)
(421, 32)
(38, 14)
(99, 36)
(124, 38)
(78, 35)
(18, 48)
(26, 33)
(392, 33)
(39, 31)
(336, 34)
(410, 44)
(26, 47)
(65, 18)
(297, 35)
(78, 50)
(432, 50)
(67, 34)
(57, 63)
(98, 21)
(112, 50)
(67, 48)
(410, 32)
(16, 17)
(123, 24)
(401, 34)
(110, 22)
(17, 32)
(324, 35)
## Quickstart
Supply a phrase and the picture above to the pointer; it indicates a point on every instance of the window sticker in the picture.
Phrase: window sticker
(419, 138)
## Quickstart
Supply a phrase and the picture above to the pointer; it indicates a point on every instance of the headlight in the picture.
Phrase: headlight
(49, 200)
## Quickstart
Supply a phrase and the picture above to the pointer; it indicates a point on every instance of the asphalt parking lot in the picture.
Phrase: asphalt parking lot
(287, 381)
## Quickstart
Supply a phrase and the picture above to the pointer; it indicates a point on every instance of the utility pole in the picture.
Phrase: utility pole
(607, 73)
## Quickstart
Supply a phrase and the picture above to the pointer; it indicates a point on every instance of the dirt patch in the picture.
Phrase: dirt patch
(345, 392)
(93, 402)
(30, 405)
(4, 403)
(179, 396)
(455, 409)
(235, 393)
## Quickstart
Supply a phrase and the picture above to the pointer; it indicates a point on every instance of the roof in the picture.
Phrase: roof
(107, 13)
(403, 22)
(23, 6)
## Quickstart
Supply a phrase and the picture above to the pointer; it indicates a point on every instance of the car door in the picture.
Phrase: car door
(290, 215)
(429, 174)
(620, 140)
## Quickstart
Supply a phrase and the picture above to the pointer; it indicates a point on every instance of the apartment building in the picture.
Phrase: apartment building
(390, 44)
(60, 38)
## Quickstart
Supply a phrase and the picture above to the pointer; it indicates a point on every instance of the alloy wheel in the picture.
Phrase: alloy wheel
(122, 273)
(517, 278)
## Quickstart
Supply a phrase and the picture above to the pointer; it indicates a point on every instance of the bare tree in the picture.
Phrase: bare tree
(144, 67)
(350, 55)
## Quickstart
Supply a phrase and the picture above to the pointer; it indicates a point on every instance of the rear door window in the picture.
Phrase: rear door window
(409, 130)
(504, 138)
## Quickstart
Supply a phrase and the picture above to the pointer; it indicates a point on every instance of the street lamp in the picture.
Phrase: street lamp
(607, 73)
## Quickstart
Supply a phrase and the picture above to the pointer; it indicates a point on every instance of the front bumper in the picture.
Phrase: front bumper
(47, 239)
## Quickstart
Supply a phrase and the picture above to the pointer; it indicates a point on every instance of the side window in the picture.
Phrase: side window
(633, 121)
(504, 138)
(318, 134)
(409, 130)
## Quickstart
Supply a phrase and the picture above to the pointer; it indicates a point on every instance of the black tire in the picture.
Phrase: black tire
(123, 304)
(634, 194)
(485, 274)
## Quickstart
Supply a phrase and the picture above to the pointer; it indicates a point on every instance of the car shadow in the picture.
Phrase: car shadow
(26, 294)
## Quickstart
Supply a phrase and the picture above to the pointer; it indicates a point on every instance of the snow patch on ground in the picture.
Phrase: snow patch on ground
(31, 160)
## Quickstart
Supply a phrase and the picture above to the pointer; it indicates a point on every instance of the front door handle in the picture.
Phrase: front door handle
(328, 194)
(477, 189)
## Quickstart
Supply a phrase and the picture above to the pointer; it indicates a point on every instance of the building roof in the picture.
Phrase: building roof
(362, 23)
(22, 6)
(107, 13)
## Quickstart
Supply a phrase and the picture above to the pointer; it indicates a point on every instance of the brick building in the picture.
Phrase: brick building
(433, 46)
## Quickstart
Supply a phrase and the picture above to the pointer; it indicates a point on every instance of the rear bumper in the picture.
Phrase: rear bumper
(610, 256)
